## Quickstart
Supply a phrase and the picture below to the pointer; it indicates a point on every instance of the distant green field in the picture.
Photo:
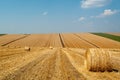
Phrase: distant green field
(2, 34)
(113, 37)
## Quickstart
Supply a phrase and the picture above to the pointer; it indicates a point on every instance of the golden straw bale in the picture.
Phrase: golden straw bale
(27, 48)
(51, 47)
(98, 60)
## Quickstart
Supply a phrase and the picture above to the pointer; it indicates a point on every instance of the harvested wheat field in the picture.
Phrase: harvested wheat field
(70, 56)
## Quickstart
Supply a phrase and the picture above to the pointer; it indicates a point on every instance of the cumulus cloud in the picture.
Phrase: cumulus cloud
(81, 19)
(107, 12)
(93, 3)
(45, 13)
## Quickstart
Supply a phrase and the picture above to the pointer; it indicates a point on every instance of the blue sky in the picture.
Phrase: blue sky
(56, 16)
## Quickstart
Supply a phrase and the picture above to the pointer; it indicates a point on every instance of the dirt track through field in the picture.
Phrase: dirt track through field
(50, 64)
(39, 40)
(54, 57)
(72, 41)
(66, 40)
(87, 41)
(100, 42)
(53, 65)
(6, 39)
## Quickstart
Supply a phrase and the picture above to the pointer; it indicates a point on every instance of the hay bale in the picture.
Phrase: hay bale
(51, 47)
(27, 48)
(98, 60)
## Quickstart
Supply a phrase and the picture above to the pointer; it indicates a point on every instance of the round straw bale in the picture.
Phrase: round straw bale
(27, 48)
(51, 47)
(98, 60)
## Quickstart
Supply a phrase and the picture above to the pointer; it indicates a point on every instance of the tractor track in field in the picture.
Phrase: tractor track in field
(87, 41)
(31, 70)
(64, 70)
(14, 40)
(71, 40)
(52, 64)
(77, 59)
(23, 68)
(71, 72)
(54, 57)
(61, 40)
(101, 42)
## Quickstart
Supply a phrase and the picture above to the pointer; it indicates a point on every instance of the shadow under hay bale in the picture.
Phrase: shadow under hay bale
(98, 60)
(115, 70)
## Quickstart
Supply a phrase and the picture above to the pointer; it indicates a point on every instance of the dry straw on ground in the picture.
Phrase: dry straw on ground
(98, 60)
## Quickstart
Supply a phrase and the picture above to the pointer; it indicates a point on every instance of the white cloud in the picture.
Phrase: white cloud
(45, 13)
(81, 19)
(107, 12)
(93, 3)
(78, 20)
